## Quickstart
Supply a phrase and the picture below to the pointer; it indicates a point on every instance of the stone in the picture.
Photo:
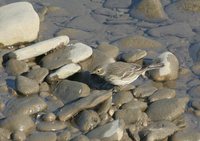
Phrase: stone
(164, 93)
(4, 134)
(167, 109)
(15, 67)
(81, 138)
(130, 116)
(135, 104)
(196, 104)
(25, 31)
(112, 131)
(87, 120)
(44, 87)
(49, 117)
(173, 30)
(42, 136)
(191, 6)
(144, 91)
(117, 3)
(18, 122)
(104, 106)
(64, 72)
(122, 98)
(38, 74)
(64, 135)
(68, 91)
(95, 98)
(196, 69)
(51, 126)
(170, 69)
(18, 136)
(110, 50)
(186, 135)
(25, 106)
(149, 10)
(133, 56)
(39, 48)
(194, 92)
(26, 86)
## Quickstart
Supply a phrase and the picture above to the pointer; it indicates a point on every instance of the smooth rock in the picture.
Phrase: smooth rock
(24, 31)
(95, 98)
(68, 91)
(51, 126)
(170, 69)
(104, 106)
(44, 87)
(87, 120)
(42, 136)
(191, 6)
(167, 109)
(149, 10)
(133, 104)
(64, 135)
(190, 135)
(164, 93)
(111, 131)
(26, 86)
(117, 3)
(196, 68)
(15, 67)
(81, 138)
(38, 74)
(122, 98)
(110, 50)
(25, 106)
(144, 91)
(133, 56)
(4, 134)
(182, 30)
(18, 122)
(49, 117)
(18, 136)
(196, 104)
(194, 92)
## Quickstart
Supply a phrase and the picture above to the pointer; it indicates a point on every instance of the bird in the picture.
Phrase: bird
(122, 73)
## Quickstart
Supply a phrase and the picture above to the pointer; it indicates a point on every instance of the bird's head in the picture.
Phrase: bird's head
(101, 70)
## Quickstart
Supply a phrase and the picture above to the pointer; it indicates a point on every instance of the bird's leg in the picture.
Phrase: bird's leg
(144, 75)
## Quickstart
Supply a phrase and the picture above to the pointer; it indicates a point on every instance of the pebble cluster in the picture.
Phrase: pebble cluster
(47, 91)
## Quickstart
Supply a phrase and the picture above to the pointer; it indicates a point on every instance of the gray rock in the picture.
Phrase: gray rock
(196, 68)
(186, 135)
(42, 136)
(164, 93)
(117, 3)
(130, 116)
(87, 120)
(51, 126)
(15, 67)
(167, 109)
(112, 131)
(196, 104)
(135, 105)
(133, 56)
(104, 106)
(81, 138)
(170, 69)
(38, 74)
(122, 98)
(18, 136)
(18, 122)
(26, 106)
(64, 135)
(26, 86)
(68, 91)
(49, 117)
(144, 91)
(25, 31)
(194, 91)
(182, 30)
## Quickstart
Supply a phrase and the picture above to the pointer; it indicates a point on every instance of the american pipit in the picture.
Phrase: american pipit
(121, 73)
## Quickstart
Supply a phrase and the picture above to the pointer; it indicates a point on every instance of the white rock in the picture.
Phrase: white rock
(39, 48)
(170, 69)
(80, 52)
(18, 23)
(64, 72)
(112, 131)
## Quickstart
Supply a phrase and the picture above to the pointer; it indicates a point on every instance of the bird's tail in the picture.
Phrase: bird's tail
(154, 66)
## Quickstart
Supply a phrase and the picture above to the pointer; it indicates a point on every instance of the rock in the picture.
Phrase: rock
(191, 6)
(42, 136)
(194, 92)
(164, 93)
(149, 10)
(196, 104)
(81, 138)
(186, 135)
(18, 136)
(133, 56)
(51, 126)
(68, 91)
(196, 69)
(117, 3)
(170, 69)
(133, 104)
(130, 116)
(122, 98)
(144, 91)
(64, 135)
(167, 109)
(49, 117)
(104, 106)
(138, 42)
(64, 72)
(95, 98)
(110, 50)
(39, 48)
(25, 106)
(38, 74)
(87, 120)
(111, 131)
(15, 67)
(173, 30)
(44, 87)
(25, 31)
(4, 134)
(159, 130)
(26, 86)
(18, 122)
